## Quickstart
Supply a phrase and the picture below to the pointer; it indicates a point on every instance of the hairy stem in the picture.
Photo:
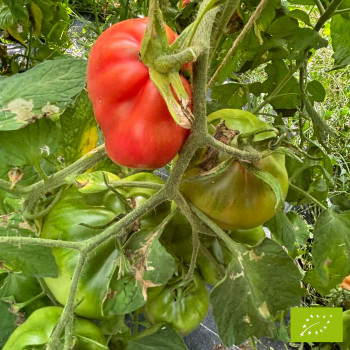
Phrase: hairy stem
(39, 241)
(120, 226)
(251, 157)
(39, 189)
(231, 245)
(69, 307)
(16, 190)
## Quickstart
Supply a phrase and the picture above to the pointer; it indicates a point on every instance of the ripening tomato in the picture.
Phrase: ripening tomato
(234, 198)
(139, 130)
(346, 283)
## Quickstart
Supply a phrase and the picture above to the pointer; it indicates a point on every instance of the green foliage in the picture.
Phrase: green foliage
(249, 289)
(291, 75)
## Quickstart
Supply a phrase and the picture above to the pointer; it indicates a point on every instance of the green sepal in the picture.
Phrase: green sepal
(179, 107)
(270, 180)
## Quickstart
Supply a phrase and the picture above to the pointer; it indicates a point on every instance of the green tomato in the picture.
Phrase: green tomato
(39, 326)
(250, 237)
(66, 221)
(234, 198)
(79, 216)
(182, 307)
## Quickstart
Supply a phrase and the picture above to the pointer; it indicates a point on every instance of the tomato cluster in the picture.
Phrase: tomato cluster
(139, 132)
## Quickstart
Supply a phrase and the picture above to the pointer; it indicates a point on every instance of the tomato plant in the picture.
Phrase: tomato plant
(235, 198)
(82, 227)
(35, 332)
(183, 305)
(79, 216)
(138, 129)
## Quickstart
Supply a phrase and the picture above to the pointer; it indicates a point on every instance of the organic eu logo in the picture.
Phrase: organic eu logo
(316, 324)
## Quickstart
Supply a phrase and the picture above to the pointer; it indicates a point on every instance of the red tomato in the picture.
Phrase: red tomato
(138, 128)
(185, 2)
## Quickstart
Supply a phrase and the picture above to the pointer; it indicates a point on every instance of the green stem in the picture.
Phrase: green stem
(231, 245)
(319, 6)
(39, 241)
(199, 128)
(39, 189)
(47, 291)
(195, 245)
(308, 195)
(69, 307)
(68, 333)
(97, 22)
(42, 213)
(40, 171)
(29, 48)
(341, 12)
(16, 190)
(252, 343)
(164, 64)
(143, 184)
(240, 37)
(250, 157)
(197, 225)
(119, 227)
(327, 14)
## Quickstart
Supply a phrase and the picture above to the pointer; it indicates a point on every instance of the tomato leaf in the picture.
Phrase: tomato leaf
(8, 323)
(30, 260)
(18, 291)
(124, 297)
(300, 227)
(43, 90)
(340, 33)
(165, 338)
(312, 277)
(283, 230)
(332, 246)
(254, 291)
(31, 149)
(234, 95)
(78, 133)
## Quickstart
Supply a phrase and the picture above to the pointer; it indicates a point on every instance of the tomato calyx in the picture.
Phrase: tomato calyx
(211, 155)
